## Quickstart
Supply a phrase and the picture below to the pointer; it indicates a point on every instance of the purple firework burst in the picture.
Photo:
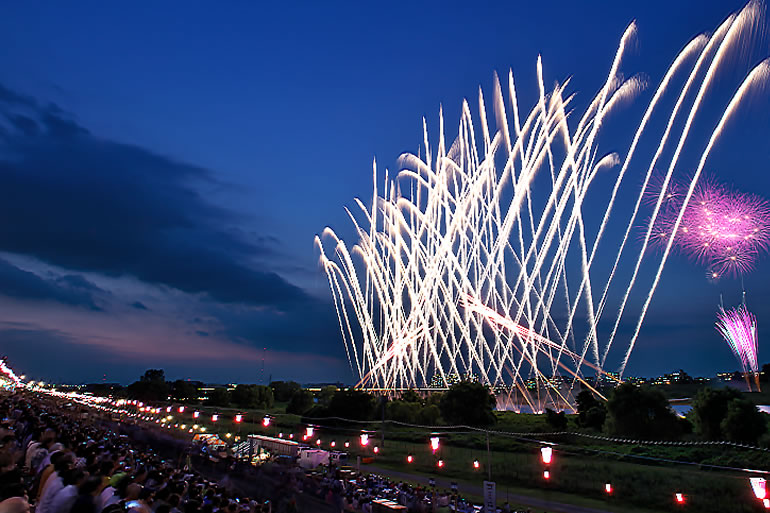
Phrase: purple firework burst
(721, 228)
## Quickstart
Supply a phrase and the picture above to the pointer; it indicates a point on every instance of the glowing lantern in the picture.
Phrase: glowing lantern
(196, 414)
(546, 454)
(291, 436)
(364, 439)
(347, 444)
(181, 409)
(266, 421)
(409, 458)
(440, 463)
(309, 431)
(546, 474)
(376, 449)
(168, 409)
(333, 443)
(214, 418)
(476, 464)
(759, 486)
(679, 498)
(434, 443)
(280, 435)
(766, 503)
(238, 418)
(318, 442)
(608, 488)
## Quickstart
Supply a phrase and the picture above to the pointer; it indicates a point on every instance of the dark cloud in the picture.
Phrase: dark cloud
(313, 329)
(138, 305)
(73, 290)
(82, 202)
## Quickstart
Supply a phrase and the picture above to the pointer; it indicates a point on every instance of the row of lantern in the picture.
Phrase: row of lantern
(758, 484)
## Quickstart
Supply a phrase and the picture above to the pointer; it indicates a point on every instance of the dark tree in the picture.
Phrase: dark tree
(411, 396)
(429, 415)
(591, 411)
(469, 403)
(556, 420)
(765, 373)
(300, 402)
(219, 397)
(151, 386)
(743, 422)
(403, 411)
(640, 412)
(284, 390)
(353, 404)
(709, 409)
(326, 394)
(252, 396)
(184, 391)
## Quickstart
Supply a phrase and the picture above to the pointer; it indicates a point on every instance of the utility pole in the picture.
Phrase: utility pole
(489, 459)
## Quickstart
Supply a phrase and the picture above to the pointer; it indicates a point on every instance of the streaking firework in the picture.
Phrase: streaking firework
(478, 258)
(738, 327)
(725, 230)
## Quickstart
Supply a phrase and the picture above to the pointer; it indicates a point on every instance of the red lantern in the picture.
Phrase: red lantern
(546, 454)
(679, 497)
(409, 458)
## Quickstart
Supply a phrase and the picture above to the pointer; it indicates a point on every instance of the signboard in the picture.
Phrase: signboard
(490, 498)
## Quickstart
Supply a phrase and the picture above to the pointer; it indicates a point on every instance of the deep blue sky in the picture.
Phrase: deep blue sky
(165, 166)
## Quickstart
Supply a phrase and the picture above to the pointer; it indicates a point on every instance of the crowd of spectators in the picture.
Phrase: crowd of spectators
(62, 457)
(57, 457)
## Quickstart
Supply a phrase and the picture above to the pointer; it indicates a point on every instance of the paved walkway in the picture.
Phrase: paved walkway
(467, 488)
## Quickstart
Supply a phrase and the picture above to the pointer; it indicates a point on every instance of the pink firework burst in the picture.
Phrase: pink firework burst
(738, 327)
(721, 228)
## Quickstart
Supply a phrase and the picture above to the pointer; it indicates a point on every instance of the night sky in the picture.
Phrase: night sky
(164, 168)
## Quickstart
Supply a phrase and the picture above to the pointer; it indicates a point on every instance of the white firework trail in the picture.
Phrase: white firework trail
(469, 263)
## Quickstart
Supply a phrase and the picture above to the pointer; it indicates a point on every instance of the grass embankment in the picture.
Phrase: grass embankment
(579, 472)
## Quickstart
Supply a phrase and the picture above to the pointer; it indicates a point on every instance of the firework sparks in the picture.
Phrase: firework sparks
(460, 268)
(738, 327)
(723, 229)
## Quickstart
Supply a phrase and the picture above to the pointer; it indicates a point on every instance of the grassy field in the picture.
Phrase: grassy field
(579, 472)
